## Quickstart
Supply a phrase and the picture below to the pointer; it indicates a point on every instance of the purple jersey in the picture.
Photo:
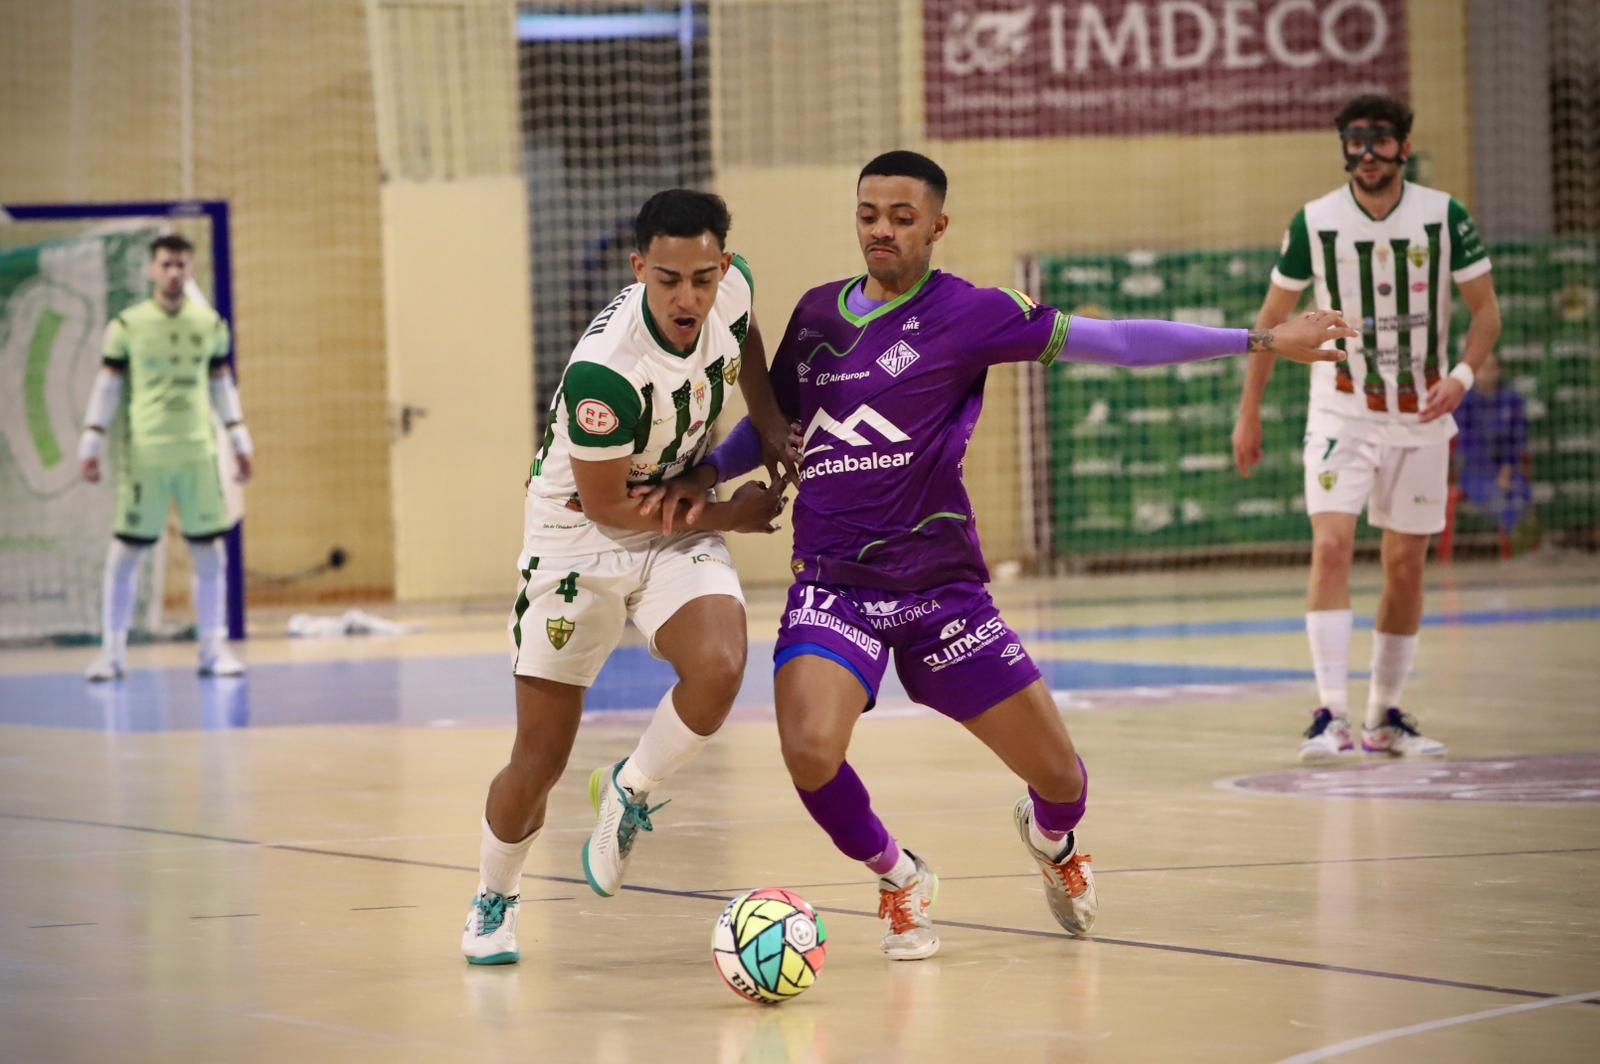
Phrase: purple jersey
(889, 401)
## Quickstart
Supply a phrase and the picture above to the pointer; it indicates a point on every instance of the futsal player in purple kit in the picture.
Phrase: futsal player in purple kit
(885, 374)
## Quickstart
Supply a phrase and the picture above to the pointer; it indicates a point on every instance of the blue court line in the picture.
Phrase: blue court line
(701, 895)
(1288, 625)
(420, 691)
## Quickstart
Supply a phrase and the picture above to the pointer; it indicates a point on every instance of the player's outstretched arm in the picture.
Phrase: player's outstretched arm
(104, 398)
(1139, 343)
(1304, 339)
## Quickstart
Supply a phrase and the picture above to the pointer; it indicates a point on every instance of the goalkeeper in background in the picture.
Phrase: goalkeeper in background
(167, 357)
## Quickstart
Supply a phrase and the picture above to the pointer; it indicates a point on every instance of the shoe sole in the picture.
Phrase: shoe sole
(596, 781)
(920, 955)
(496, 958)
(1314, 757)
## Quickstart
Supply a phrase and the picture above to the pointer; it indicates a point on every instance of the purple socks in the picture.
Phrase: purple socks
(1055, 819)
(842, 808)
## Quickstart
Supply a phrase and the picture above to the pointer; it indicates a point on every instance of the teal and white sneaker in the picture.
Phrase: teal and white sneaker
(491, 934)
(620, 815)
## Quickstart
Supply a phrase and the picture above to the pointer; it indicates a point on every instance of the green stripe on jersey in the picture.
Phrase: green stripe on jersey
(1372, 384)
(1430, 365)
(1405, 378)
(680, 400)
(1330, 268)
(714, 377)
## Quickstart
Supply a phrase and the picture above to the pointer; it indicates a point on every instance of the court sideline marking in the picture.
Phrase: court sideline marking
(1350, 1045)
(1194, 951)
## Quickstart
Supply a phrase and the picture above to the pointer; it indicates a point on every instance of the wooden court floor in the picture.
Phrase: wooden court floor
(278, 869)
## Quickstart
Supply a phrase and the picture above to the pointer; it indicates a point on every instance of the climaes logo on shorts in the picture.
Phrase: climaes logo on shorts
(965, 644)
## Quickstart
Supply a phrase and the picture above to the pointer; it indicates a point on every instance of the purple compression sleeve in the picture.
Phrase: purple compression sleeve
(1150, 343)
(736, 455)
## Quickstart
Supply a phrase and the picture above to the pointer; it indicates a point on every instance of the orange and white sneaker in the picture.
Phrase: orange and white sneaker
(1068, 879)
(911, 936)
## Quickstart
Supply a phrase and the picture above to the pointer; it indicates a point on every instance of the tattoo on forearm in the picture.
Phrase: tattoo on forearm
(1260, 339)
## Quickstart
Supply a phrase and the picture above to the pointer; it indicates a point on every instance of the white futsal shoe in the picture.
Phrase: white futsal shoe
(1398, 735)
(491, 933)
(1328, 738)
(103, 669)
(221, 664)
(906, 906)
(620, 814)
(1068, 879)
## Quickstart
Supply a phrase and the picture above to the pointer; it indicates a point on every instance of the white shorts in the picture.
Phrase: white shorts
(570, 612)
(1403, 488)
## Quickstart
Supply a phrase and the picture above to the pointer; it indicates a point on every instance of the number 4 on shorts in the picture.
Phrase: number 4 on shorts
(1332, 443)
(568, 588)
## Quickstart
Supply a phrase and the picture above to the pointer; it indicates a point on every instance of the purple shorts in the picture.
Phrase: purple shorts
(952, 649)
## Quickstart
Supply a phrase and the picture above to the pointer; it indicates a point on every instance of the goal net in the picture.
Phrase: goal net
(65, 270)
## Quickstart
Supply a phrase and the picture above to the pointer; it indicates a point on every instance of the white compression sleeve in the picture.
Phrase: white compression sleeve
(225, 399)
(104, 399)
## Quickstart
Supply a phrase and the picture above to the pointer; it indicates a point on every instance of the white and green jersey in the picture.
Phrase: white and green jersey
(1389, 279)
(627, 394)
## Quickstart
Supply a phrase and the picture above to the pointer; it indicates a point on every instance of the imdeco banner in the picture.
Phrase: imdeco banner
(1048, 68)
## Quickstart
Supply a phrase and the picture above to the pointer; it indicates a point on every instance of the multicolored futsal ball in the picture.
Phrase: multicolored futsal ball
(769, 945)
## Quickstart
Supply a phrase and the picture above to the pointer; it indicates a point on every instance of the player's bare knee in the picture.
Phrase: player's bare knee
(1060, 781)
(1331, 553)
(811, 760)
(536, 761)
(717, 669)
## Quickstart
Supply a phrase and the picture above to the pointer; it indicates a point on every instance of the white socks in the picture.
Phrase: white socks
(1044, 842)
(1329, 634)
(210, 595)
(904, 868)
(119, 593)
(666, 746)
(500, 863)
(1391, 664)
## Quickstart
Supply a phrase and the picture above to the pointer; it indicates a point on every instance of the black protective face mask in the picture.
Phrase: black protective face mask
(1356, 143)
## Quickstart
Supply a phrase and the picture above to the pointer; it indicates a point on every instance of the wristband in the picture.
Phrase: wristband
(1463, 373)
(239, 436)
